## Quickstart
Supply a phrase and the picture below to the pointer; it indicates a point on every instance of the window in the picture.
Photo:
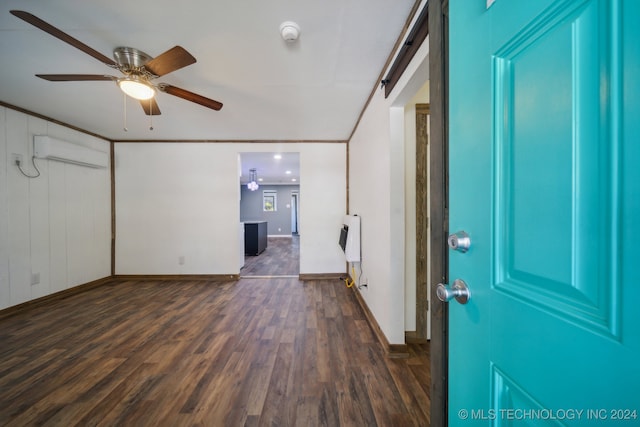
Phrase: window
(269, 200)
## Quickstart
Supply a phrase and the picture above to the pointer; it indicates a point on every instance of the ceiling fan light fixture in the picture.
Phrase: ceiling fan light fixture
(136, 88)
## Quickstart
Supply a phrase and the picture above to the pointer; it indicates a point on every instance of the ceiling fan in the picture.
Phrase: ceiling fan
(139, 69)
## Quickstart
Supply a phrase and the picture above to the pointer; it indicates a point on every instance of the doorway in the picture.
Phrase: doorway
(269, 201)
(295, 216)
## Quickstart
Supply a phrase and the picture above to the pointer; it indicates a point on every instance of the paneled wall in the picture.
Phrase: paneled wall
(55, 230)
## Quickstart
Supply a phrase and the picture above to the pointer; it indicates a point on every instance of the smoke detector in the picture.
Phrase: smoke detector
(290, 31)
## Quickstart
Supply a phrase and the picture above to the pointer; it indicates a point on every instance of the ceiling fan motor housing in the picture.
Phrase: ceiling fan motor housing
(130, 56)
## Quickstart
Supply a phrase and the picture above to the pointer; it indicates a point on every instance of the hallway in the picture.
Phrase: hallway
(281, 258)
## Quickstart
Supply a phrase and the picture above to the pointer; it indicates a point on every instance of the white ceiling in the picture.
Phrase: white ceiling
(314, 89)
(271, 170)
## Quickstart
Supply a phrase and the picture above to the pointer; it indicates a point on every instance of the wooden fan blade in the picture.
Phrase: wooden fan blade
(150, 107)
(171, 60)
(75, 77)
(59, 34)
(190, 96)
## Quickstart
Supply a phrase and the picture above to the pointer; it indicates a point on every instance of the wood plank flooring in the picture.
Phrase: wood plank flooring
(257, 352)
(281, 258)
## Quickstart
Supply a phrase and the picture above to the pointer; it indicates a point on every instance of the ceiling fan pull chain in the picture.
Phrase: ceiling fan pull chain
(124, 115)
(151, 114)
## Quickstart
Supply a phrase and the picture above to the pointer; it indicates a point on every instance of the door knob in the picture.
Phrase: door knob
(458, 290)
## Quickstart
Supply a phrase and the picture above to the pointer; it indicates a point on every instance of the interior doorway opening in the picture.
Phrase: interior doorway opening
(270, 204)
(409, 120)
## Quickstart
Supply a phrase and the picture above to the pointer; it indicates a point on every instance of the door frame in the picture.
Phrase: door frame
(295, 212)
(422, 195)
(439, 191)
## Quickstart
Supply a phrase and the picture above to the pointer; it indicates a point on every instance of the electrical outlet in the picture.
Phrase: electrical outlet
(181, 260)
(16, 159)
(35, 278)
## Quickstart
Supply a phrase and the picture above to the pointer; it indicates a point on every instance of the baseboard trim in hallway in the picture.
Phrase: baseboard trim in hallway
(322, 276)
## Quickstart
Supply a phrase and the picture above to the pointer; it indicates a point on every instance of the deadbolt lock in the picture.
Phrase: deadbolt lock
(459, 241)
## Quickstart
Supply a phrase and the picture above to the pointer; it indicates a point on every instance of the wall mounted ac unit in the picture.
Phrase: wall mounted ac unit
(45, 147)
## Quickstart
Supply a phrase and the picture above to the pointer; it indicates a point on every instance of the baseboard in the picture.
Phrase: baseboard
(10, 311)
(411, 337)
(321, 276)
(392, 350)
(192, 277)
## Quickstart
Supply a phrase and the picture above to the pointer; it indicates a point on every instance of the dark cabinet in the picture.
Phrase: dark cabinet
(255, 237)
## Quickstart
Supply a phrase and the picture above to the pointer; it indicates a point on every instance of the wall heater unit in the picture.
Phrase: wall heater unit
(45, 147)
(350, 238)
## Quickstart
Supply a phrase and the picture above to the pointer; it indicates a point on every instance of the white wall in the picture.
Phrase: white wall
(323, 203)
(182, 200)
(377, 193)
(57, 225)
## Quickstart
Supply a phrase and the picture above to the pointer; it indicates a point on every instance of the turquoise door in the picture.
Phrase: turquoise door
(544, 176)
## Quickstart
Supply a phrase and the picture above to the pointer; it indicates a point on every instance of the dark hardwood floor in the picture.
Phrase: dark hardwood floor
(281, 258)
(257, 352)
